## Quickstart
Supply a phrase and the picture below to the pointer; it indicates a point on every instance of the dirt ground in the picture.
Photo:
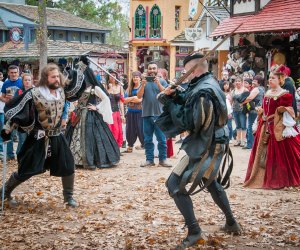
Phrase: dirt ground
(128, 207)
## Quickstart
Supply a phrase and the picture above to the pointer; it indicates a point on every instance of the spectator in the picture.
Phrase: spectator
(116, 96)
(9, 89)
(225, 77)
(98, 75)
(134, 122)
(247, 83)
(254, 100)
(239, 117)
(227, 88)
(251, 74)
(151, 109)
(27, 84)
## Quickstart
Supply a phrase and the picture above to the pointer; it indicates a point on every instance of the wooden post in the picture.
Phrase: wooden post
(42, 35)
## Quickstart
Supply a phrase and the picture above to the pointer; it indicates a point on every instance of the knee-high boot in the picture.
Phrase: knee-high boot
(10, 185)
(68, 187)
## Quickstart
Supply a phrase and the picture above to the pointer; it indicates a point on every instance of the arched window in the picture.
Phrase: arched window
(140, 22)
(155, 22)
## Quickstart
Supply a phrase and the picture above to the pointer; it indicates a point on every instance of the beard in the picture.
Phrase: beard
(54, 85)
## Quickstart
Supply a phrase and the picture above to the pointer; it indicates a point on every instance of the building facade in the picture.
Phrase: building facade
(69, 36)
(154, 24)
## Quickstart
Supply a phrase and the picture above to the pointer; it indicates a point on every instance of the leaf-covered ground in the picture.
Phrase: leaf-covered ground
(128, 207)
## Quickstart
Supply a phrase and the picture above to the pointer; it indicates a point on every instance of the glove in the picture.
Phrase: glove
(5, 136)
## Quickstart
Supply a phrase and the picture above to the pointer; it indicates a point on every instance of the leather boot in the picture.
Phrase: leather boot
(68, 187)
(10, 185)
(194, 235)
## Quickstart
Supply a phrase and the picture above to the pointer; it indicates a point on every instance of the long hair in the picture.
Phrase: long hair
(131, 85)
(107, 78)
(45, 72)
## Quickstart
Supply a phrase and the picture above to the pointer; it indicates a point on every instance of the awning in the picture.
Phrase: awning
(277, 16)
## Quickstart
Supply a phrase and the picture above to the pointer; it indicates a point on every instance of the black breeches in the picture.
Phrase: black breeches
(134, 128)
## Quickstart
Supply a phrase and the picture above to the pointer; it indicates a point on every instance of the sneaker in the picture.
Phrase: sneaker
(237, 144)
(235, 228)
(147, 164)
(164, 164)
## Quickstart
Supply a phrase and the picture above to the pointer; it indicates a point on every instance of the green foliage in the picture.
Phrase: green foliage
(104, 12)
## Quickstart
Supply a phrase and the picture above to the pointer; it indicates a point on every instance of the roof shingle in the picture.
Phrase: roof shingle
(56, 49)
(55, 17)
(276, 16)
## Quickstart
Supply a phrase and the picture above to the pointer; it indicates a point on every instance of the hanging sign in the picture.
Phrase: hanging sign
(15, 35)
(193, 7)
(193, 34)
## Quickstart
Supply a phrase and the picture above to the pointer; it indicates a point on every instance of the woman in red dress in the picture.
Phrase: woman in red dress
(275, 158)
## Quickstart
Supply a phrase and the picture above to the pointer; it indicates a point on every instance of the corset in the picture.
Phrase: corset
(49, 112)
(87, 97)
(114, 101)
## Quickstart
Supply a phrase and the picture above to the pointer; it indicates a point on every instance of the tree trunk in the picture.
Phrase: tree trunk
(42, 34)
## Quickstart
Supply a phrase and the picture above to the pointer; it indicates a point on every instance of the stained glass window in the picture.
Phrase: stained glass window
(140, 22)
(155, 22)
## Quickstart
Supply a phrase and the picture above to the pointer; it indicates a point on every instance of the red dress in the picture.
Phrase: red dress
(278, 165)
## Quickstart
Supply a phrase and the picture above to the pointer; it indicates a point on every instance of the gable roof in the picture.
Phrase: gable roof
(55, 17)
(57, 49)
(2, 25)
(276, 16)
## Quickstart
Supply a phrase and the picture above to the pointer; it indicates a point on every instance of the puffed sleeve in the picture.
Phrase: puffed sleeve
(104, 107)
(286, 100)
(19, 114)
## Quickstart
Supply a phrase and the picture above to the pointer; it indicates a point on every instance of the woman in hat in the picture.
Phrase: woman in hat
(275, 158)
(116, 96)
(134, 122)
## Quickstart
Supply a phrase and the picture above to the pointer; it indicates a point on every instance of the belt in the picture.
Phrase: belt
(40, 133)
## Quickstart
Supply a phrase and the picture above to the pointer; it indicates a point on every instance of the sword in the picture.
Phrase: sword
(99, 66)
(4, 174)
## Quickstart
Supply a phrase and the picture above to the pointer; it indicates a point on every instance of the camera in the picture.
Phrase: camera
(150, 78)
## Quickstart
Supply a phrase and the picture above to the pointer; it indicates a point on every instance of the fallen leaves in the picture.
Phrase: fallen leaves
(130, 208)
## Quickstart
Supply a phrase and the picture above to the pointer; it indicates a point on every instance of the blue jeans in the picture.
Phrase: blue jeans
(10, 145)
(149, 128)
(250, 138)
(240, 120)
(229, 125)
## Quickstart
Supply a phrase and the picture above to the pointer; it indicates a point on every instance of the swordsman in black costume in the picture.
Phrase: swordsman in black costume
(200, 110)
(38, 112)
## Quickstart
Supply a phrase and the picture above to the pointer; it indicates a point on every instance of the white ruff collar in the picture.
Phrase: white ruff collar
(45, 92)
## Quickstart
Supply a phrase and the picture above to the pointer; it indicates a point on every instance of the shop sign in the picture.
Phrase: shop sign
(15, 35)
(193, 34)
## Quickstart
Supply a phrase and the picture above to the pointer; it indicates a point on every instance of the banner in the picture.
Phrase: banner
(193, 8)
